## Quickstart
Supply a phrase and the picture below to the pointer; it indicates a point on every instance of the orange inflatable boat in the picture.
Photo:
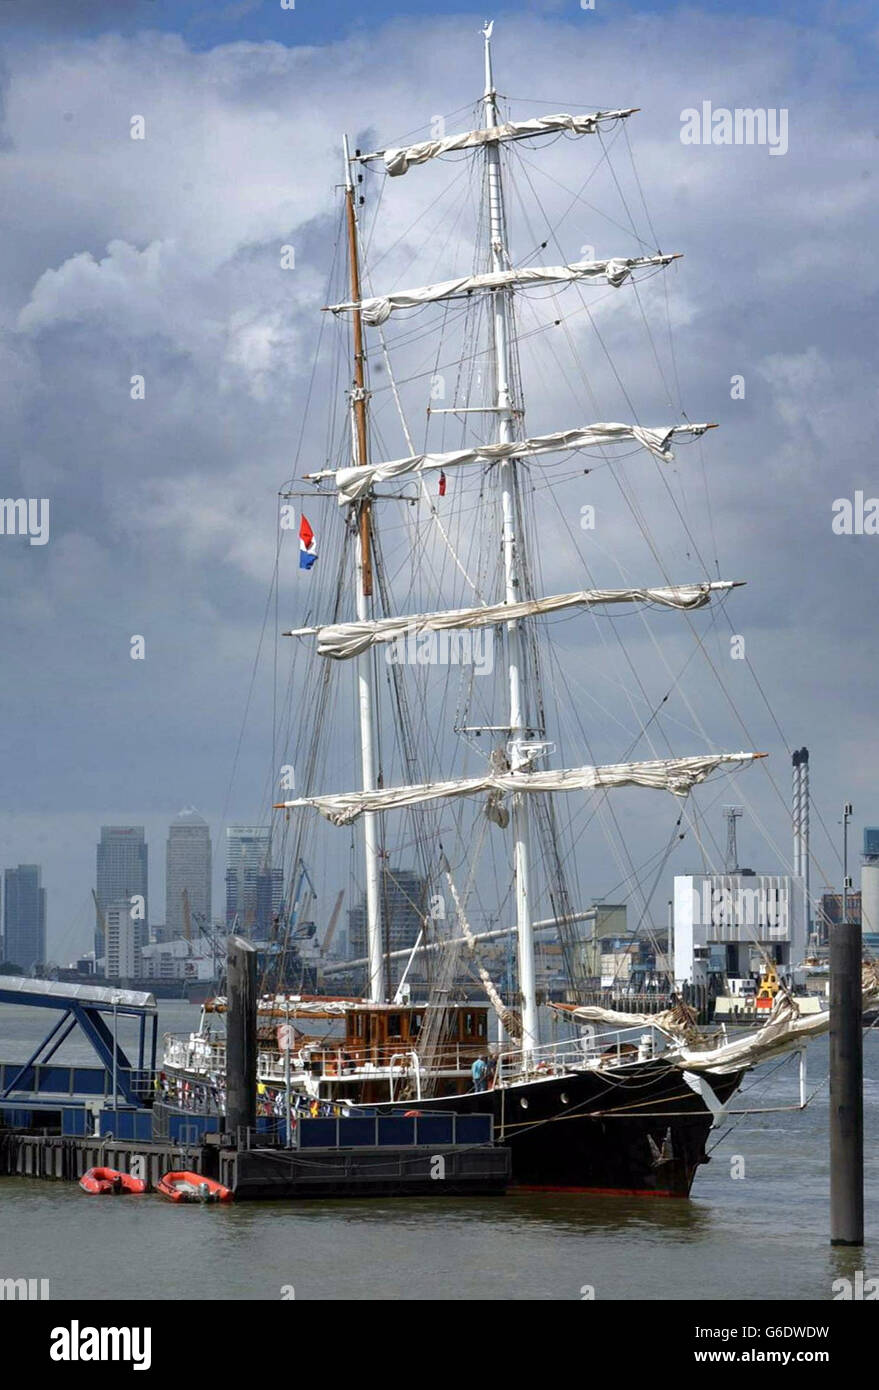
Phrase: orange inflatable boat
(192, 1187)
(99, 1181)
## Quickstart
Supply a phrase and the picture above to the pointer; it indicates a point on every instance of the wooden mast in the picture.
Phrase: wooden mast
(366, 695)
(359, 395)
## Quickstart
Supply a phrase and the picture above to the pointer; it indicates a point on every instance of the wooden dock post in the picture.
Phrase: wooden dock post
(241, 1036)
(846, 1079)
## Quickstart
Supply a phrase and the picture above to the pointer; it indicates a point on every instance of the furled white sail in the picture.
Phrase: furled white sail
(785, 1029)
(677, 775)
(354, 483)
(616, 271)
(398, 160)
(344, 640)
(675, 1020)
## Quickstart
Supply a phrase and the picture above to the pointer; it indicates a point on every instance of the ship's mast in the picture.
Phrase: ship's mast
(363, 580)
(501, 322)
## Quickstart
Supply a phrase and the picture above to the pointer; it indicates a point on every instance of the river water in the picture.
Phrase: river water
(761, 1235)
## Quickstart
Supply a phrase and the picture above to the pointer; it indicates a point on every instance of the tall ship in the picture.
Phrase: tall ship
(436, 674)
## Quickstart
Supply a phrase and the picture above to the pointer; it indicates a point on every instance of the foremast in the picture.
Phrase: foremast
(363, 585)
(511, 541)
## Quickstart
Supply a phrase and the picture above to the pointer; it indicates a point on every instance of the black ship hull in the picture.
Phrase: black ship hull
(634, 1130)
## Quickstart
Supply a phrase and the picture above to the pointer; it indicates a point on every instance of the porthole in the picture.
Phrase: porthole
(523, 1101)
(564, 1098)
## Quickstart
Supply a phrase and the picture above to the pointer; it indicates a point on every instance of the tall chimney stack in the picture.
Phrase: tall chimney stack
(805, 856)
(800, 819)
(795, 812)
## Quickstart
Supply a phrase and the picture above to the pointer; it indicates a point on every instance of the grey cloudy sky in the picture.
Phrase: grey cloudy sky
(160, 257)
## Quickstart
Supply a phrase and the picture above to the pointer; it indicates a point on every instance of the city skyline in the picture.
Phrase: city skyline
(71, 928)
(65, 944)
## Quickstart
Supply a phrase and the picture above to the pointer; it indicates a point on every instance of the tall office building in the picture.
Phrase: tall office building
(123, 960)
(123, 871)
(403, 899)
(254, 888)
(187, 866)
(24, 917)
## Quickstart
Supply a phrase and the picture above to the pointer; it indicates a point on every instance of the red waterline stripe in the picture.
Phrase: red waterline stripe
(597, 1191)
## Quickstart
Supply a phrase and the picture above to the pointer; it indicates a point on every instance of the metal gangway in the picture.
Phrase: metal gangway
(38, 1083)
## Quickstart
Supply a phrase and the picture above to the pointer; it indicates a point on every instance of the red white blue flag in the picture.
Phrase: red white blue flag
(307, 545)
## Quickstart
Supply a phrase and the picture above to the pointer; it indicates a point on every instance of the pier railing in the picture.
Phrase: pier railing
(627, 1000)
(46, 1081)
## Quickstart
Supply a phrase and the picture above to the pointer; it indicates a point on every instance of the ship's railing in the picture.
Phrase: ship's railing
(591, 1049)
(345, 1060)
(198, 1097)
(194, 1053)
(200, 1063)
(201, 1056)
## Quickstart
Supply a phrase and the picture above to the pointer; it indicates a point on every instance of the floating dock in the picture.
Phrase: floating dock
(57, 1121)
(66, 1159)
(353, 1167)
(374, 1156)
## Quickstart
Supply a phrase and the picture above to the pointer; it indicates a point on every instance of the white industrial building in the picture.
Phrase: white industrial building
(727, 925)
(177, 960)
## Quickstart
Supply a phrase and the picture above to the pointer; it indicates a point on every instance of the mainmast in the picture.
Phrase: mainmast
(519, 758)
(363, 580)
(515, 776)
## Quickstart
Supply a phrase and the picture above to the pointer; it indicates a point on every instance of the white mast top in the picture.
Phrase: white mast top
(487, 31)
